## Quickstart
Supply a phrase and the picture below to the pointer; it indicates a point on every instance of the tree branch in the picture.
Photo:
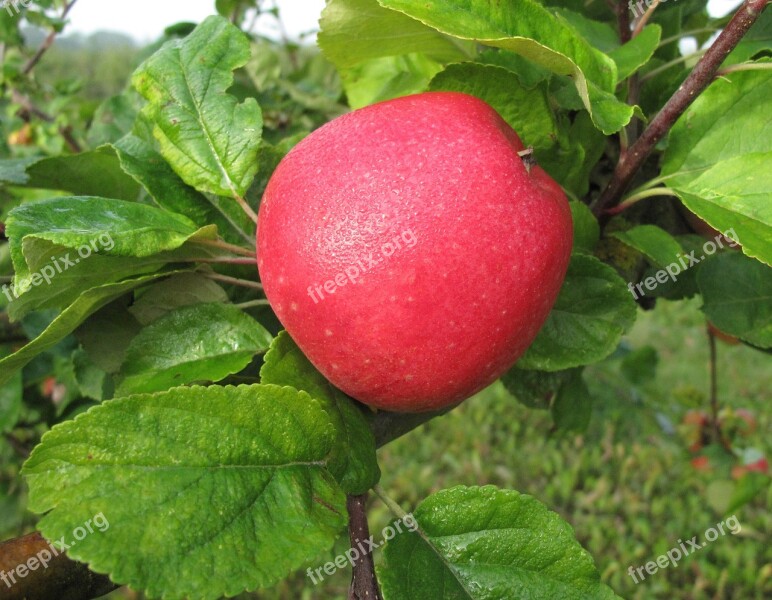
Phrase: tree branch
(61, 578)
(28, 110)
(699, 79)
(623, 19)
(364, 584)
(47, 43)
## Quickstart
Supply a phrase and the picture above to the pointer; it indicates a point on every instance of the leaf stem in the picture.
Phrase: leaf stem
(698, 80)
(393, 507)
(684, 34)
(246, 208)
(745, 66)
(223, 245)
(253, 285)
(253, 303)
(635, 198)
(645, 18)
(229, 260)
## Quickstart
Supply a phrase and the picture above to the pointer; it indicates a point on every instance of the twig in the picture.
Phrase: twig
(47, 43)
(234, 281)
(645, 18)
(364, 584)
(697, 81)
(29, 109)
(62, 578)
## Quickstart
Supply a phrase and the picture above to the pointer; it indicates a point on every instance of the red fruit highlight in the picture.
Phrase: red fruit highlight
(410, 253)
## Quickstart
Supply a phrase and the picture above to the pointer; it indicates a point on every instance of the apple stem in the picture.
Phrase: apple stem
(528, 158)
(698, 80)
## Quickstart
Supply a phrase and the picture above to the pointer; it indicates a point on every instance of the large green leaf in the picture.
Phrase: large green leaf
(637, 52)
(209, 139)
(723, 177)
(197, 343)
(175, 292)
(593, 310)
(529, 29)
(100, 225)
(655, 243)
(94, 173)
(70, 318)
(353, 461)
(482, 543)
(200, 492)
(737, 296)
(526, 110)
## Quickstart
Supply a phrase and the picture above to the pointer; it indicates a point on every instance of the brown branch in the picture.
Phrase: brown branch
(698, 80)
(364, 583)
(24, 576)
(623, 19)
(47, 43)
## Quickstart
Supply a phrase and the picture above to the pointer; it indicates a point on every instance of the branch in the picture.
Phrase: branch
(61, 578)
(623, 18)
(699, 79)
(364, 583)
(47, 43)
(28, 109)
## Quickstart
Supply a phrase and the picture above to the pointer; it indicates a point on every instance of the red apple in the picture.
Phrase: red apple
(410, 252)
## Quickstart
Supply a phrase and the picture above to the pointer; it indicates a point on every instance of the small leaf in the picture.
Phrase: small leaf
(181, 290)
(209, 139)
(722, 177)
(106, 226)
(661, 248)
(586, 228)
(737, 296)
(593, 310)
(637, 52)
(572, 408)
(526, 110)
(482, 543)
(87, 303)
(197, 343)
(353, 461)
(200, 492)
(94, 173)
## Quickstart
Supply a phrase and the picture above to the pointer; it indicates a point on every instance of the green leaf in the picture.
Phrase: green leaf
(737, 296)
(586, 227)
(209, 139)
(106, 335)
(482, 543)
(572, 408)
(637, 52)
(10, 403)
(593, 310)
(87, 303)
(659, 247)
(526, 110)
(114, 117)
(353, 461)
(198, 343)
(722, 177)
(534, 389)
(100, 225)
(355, 31)
(175, 292)
(529, 29)
(94, 173)
(201, 492)
(388, 77)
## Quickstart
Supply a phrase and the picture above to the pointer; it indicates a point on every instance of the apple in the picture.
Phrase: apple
(410, 251)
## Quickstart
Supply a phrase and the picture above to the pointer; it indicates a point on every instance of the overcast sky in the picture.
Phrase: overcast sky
(145, 20)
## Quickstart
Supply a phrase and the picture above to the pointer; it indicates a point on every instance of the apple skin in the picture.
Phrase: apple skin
(461, 250)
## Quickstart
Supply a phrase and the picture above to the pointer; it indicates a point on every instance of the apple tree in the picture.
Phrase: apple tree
(146, 377)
